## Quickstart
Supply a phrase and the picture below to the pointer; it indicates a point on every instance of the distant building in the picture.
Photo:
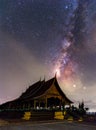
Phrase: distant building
(40, 95)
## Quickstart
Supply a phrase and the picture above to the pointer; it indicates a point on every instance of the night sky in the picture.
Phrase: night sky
(39, 38)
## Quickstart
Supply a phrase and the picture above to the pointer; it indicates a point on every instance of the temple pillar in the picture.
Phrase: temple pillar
(23, 106)
(46, 102)
(39, 104)
(28, 105)
(34, 104)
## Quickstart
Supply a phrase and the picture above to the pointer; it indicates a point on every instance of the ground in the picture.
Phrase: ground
(46, 125)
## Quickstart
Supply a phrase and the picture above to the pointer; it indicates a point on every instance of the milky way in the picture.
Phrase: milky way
(39, 38)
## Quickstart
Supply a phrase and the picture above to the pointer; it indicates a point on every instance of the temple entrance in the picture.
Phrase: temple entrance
(53, 103)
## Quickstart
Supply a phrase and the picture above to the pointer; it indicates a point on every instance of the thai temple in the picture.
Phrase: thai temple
(40, 95)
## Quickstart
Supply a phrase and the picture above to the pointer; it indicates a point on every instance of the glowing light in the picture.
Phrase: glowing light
(66, 7)
(57, 71)
(74, 85)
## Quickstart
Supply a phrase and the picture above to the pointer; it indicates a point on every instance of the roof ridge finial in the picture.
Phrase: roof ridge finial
(56, 74)
(44, 77)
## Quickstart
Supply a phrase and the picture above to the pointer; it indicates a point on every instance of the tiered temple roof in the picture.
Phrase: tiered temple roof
(40, 89)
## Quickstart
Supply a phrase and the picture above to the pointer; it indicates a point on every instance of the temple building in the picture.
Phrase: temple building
(40, 95)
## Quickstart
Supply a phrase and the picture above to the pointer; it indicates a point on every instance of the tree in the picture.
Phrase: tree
(81, 108)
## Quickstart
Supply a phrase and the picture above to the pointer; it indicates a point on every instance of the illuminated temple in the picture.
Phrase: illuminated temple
(42, 94)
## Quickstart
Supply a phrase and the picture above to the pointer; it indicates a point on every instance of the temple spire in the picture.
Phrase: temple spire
(44, 77)
(55, 75)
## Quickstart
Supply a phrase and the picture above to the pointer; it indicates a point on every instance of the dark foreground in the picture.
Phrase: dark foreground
(47, 125)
